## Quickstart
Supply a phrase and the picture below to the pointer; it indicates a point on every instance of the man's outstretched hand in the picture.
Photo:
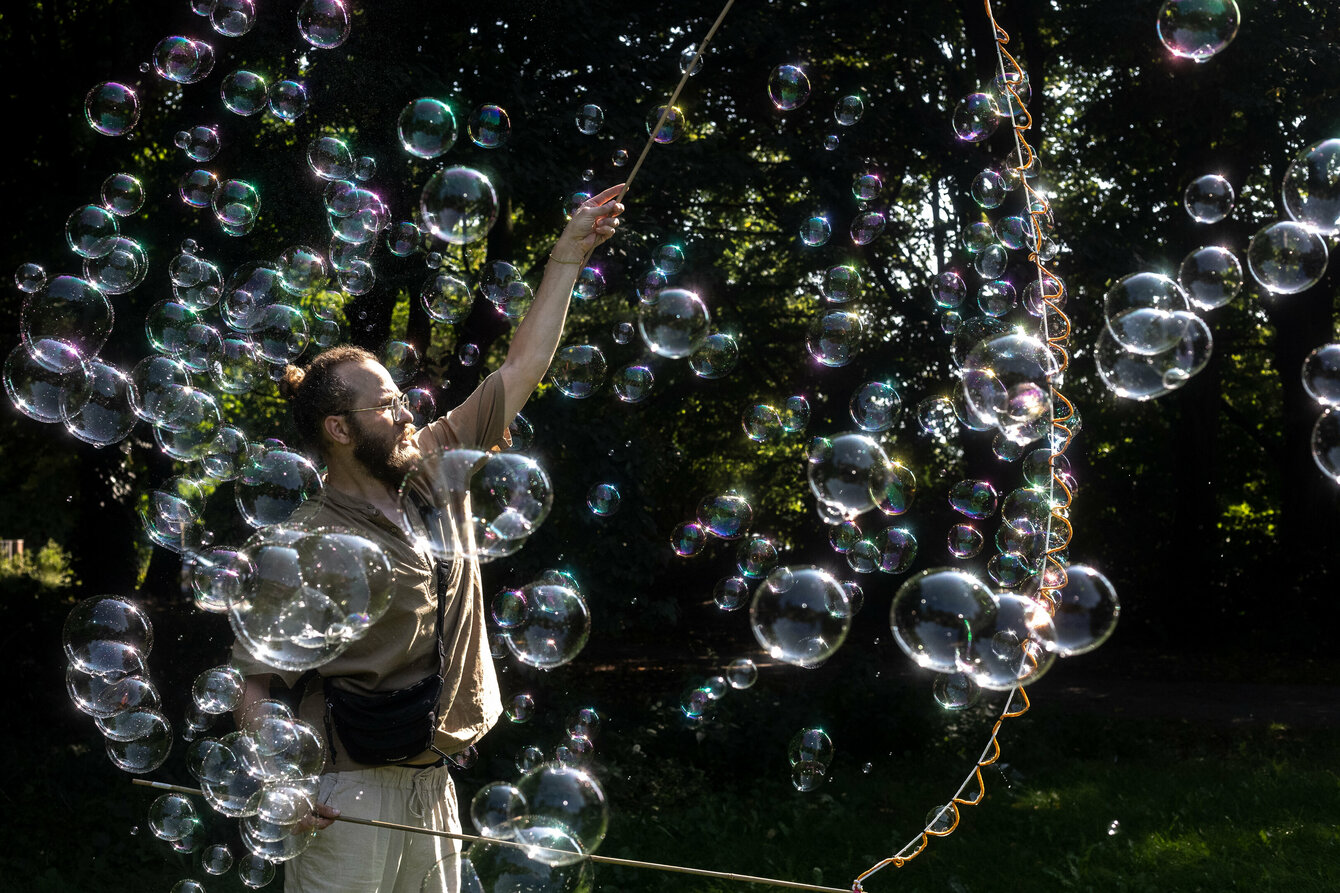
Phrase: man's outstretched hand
(321, 816)
(594, 221)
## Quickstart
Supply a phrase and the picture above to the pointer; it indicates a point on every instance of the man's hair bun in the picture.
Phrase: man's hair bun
(292, 381)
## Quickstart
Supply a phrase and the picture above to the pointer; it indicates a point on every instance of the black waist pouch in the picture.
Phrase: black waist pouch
(386, 726)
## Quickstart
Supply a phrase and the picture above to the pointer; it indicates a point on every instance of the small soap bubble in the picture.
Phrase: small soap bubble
(816, 231)
(690, 62)
(756, 556)
(800, 615)
(619, 158)
(218, 690)
(632, 383)
(788, 87)
(578, 371)
(216, 859)
(288, 100)
(1209, 199)
(1285, 258)
(1321, 375)
(831, 142)
(590, 117)
(493, 805)
(848, 110)
(330, 158)
(937, 418)
(976, 117)
(324, 23)
(1211, 277)
(427, 128)
(603, 499)
(520, 708)
(955, 691)
(841, 284)
(1012, 92)
(672, 129)
(875, 406)
(865, 187)
(730, 593)
(937, 613)
(196, 188)
(112, 109)
(974, 498)
(1198, 29)
(866, 227)
(122, 194)
(673, 322)
(741, 673)
(997, 298)
(832, 337)
(688, 539)
(1326, 443)
(244, 92)
(1312, 187)
(964, 541)
(988, 189)
(948, 289)
(762, 423)
(844, 536)
(30, 278)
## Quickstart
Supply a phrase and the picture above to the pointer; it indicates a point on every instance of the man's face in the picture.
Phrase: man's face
(382, 438)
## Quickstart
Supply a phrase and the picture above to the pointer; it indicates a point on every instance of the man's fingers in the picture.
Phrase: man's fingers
(605, 196)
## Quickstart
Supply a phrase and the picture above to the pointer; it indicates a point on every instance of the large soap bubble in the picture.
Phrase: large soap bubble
(304, 596)
(112, 109)
(555, 628)
(427, 128)
(461, 503)
(1086, 611)
(1017, 648)
(800, 615)
(1312, 187)
(95, 623)
(1007, 384)
(1198, 29)
(1287, 257)
(458, 205)
(70, 310)
(48, 381)
(324, 23)
(273, 483)
(673, 322)
(568, 798)
(788, 87)
(1139, 309)
(848, 473)
(937, 614)
(552, 860)
(1208, 199)
(578, 370)
(1212, 277)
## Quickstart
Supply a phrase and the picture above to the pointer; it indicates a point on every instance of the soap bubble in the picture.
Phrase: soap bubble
(863, 556)
(427, 128)
(1086, 611)
(69, 312)
(948, 289)
(788, 87)
(1312, 187)
(171, 515)
(590, 284)
(216, 859)
(715, 357)
(288, 100)
(48, 381)
(1144, 377)
(112, 109)
(489, 127)
(831, 142)
(688, 539)
(990, 262)
(459, 205)
(1197, 29)
(964, 541)
(978, 237)
(672, 129)
(1006, 383)
(795, 414)
(236, 206)
(324, 23)
(730, 593)
(988, 189)
(273, 484)
(1017, 648)
(91, 230)
(937, 613)
(811, 746)
(494, 804)
(330, 158)
(508, 497)
(875, 406)
(976, 117)
(668, 258)
(936, 417)
(148, 750)
(843, 536)
(974, 498)
(1326, 443)
(232, 18)
(800, 615)
(197, 188)
(555, 628)
(673, 322)
(726, 516)
(200, 143)
(1321, 375)
(1140, 312)
(1212, 277)
(756, 556)
(632, 383)
(122, 194)
(578, 370)
(849, 473)
(866, 227)
(1012, 92)
(218, 690)
(106, 417)
(865, 187)
(589, 118)
(894, 549)
(520, 708)
(244, 92)
(996, 298)
(741, 673)
(619, 158)
(568, 798)
(1209, 199)
(841, 284)
(955, 691)
(446, 298)
(832, 337)
(400, 359)
(848, 110)
(1287, 258)
(121, 269)
(816, 231)
(603, 499)
(192, 433)
(172, 817)
(182, 60)
(97, 622)
(553, 859)
(30, 278)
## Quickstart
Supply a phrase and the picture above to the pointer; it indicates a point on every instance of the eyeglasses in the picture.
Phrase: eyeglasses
(398, 405)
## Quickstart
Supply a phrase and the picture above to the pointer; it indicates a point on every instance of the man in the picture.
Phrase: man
(348, 409)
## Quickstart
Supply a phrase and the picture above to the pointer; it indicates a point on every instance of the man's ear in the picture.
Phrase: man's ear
(337, 429)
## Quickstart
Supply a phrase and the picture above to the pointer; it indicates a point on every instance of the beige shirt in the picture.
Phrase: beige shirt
(399, 649)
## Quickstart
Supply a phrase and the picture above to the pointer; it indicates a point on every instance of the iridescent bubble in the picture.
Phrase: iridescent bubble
(688, 539)
(816, 231)
(520, 708)
(936, 417)
(122, 194)
(996, 298)
(741, 673)
(171, 514)
(863, 556)
(866, 227)
(976, 117)
(955, 691)
(149, 748)
(988, 189)
(400, 359)
(895, 548)
(1209, 199)
(716, 357)
(964, 541)
(197, 188)
(578, 370)
(590, 284)
(494, 804)
(875, 406)
(236, 204)
(990, 262)
(91, 230)
(1197, 29)
(974, 498)
(324, 23)
(1086, 611)
(1014, 232)
(446, 298)
(1012, 92)
(232, 18)
(1140, 312)
(555, 629)
(1287, 258)
(726, 516)
(756, 556)
(673, 323)
(1326, 443)
(1006, 384)
(330, 158)
(843, 536)
(112, 109)
(193, 432)
(121, 269)
(800, 615)
(832, 337)
(182, 60)
(841, 284)
(589, 118)
(458, 205)
(489, 127)
(848, 110)
(30, 278)
(795, 414)
(937, 613)
(468, 354)
(69, 310)
(288, 100)
(730, 593)
(788, 87)
(948, 289)
(1321, 375)
(273, 485)
(849, 473)
(831, 142)
(670, 130)
(978, 237)
(632, 383)
(762, 423)
(619, 158)
(603, 499)
(244, 92)
(1312, 187)
(1212, 277)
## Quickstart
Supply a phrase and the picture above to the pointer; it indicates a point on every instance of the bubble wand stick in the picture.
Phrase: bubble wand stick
(607, 860)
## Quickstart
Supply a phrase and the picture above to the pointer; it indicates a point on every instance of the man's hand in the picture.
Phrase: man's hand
(321, 816)
(594, 221)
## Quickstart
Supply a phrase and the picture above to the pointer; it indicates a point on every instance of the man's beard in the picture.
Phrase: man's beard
(389, 459)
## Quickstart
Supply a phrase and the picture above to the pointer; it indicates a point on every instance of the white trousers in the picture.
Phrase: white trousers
(349, 858)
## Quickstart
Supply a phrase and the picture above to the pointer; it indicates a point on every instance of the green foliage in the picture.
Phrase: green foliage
(48, 566)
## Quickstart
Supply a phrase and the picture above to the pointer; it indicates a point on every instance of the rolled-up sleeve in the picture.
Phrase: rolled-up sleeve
(479, 423)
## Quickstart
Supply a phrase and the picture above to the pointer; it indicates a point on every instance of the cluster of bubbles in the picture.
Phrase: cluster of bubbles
(1156, 337)
(811, 753)
(789, 88)
(699, 699)
(768, 423)
(544, 624)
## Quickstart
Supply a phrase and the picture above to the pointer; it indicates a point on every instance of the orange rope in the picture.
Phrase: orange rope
(1052, 576)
